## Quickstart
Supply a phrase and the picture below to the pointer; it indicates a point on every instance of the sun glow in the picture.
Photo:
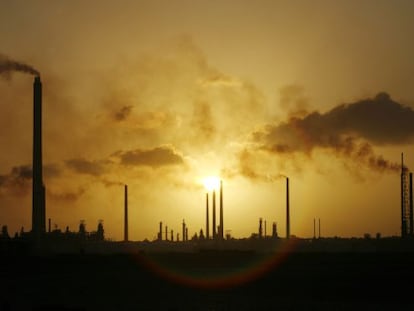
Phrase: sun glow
(211, 183)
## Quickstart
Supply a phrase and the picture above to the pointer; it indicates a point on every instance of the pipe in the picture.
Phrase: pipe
(207, 220)
(221, 210)
(411, 204)
(214, 215)
(287, 210)
(38, 189)
(126, 213)
(403, 224)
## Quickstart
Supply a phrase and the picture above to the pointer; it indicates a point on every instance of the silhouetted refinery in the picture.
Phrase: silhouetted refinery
(210, 238)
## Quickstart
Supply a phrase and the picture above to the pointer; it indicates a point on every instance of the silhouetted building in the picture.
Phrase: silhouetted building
(38, 188)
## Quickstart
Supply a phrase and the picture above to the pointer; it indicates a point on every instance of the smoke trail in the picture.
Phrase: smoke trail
(7, 66)
(348, 130)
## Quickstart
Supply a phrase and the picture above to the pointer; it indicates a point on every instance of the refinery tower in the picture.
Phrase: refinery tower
(38, 194)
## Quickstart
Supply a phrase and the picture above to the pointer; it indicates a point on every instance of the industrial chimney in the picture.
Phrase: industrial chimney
(38, 188)
(287, 210)
(221, 232)
(126, 213)
(207, 222)
(214, 215)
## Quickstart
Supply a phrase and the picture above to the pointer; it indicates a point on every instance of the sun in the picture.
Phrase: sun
(211, 183)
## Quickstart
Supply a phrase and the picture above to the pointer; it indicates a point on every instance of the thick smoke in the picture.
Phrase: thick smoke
(157, 157)
(348, 130)
(7, 66)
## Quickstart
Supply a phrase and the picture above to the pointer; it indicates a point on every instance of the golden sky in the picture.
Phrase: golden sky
(160, 94)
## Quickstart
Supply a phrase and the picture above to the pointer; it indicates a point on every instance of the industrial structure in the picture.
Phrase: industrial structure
(207, 219)
(287, 210)
(126, 213)
(38, 193)
(221, 232)
(407, 221)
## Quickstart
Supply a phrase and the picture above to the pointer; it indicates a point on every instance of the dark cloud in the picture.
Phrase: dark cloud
(68, 196)
(122, 113)
(18, 181)
(83, 166)
(156, 157)
(51, 170)
(349, 130)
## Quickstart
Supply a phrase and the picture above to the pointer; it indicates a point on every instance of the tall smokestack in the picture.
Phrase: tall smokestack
(160, 232)
(411, 205)
(314, 228)
(183, 230)
(402, 196)
(214, 215)
(319, 228)
(207, 222)
(221, 210)
(126, 213)
(287, 209)
(38, 188)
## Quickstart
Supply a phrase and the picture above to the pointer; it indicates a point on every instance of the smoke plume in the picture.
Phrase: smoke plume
(7, 66)
(348, 130)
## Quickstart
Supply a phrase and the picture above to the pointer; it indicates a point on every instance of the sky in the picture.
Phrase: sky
(161, 94)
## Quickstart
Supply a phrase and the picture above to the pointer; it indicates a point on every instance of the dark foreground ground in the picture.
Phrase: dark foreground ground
(301, 281)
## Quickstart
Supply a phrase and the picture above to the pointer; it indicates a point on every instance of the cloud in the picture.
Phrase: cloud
(83, 166)
(348, 130)
(122, 113)
(66, 196)
(156, 157)
(293, 99)
(18, 181)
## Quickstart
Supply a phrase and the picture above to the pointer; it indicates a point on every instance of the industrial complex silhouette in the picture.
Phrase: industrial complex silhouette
(50, 269)
(40, 239)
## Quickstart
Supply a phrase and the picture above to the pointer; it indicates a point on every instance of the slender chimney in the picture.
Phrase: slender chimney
(319, 228)
(160, 232)
(221, 233)
(287, 209)
(265, 232)
(403, 220)
(126, 213)
(166, 233)
(38, 189)
(274, 230)
(183, 230)
(314, 228)
(207, 222)
(411, 205)
(260, 228)
(214, 215)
